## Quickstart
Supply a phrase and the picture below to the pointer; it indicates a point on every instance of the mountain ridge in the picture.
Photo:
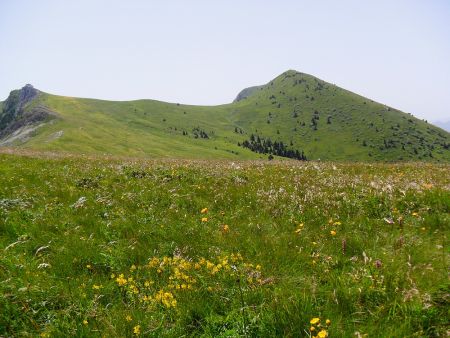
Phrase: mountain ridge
(295, 113)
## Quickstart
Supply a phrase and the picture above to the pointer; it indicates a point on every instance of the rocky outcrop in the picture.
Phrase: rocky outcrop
(246, 93)
(18, 112)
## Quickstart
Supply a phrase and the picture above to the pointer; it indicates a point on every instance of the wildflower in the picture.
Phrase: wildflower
(128, 318)
(312, 328)
(204, 219)
(322, 334)
(121, 280)
(96, 287)
(204, 210)
(166, 298)
(153, 262)
(137, 330)
(89, 266)
(133, 267)
(113, 276)
(415, 214)
(225, 228)
(333, 233)
(314, 321)
(85, 322)
(328, 322)
(299, 228)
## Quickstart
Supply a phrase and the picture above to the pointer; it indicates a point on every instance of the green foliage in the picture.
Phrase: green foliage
(364, 245)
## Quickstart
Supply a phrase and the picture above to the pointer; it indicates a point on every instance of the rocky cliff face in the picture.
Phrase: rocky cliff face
(243, 94)
(16, 112)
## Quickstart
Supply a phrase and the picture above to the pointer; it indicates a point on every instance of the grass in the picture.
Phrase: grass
(349, 127)
(102, 247)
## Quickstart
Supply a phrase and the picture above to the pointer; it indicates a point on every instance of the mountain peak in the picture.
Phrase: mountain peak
(27, 93)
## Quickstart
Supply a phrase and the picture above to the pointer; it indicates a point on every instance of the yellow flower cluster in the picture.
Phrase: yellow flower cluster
(121, 281)
(333, 232)
(317, 327)
(137, 330)
(163, 279)
(166, 298)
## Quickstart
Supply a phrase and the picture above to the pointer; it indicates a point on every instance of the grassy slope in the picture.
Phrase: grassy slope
(353, 120)
(153, 128)
(371, 277)
(137, 128)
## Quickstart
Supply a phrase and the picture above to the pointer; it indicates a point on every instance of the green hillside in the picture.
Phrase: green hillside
(306, 114)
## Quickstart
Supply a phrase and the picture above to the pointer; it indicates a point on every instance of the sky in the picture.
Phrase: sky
(205, 52)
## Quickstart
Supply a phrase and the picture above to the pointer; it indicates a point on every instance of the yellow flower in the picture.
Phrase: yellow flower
(85, 322)
(333, 233)
(137, 330)
(312, 328)
(415, 214)
(225, 228)
(328, 322)
(322, 334)
(166, 298)
(89, 266)
(204, 210)
(121, 280)
(133, 267)
(314, 321)
(96, 287)
(204, 219)
(128, 318)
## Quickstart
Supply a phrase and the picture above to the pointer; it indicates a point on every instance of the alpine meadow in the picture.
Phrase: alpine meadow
(224, 169)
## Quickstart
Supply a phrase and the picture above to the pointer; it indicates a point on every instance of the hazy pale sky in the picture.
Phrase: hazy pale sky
(205, 52)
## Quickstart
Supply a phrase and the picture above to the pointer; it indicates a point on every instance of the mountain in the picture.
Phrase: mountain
(295, 115)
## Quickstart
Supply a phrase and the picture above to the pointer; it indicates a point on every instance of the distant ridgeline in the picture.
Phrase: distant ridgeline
(295, 115)
(265, 146)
